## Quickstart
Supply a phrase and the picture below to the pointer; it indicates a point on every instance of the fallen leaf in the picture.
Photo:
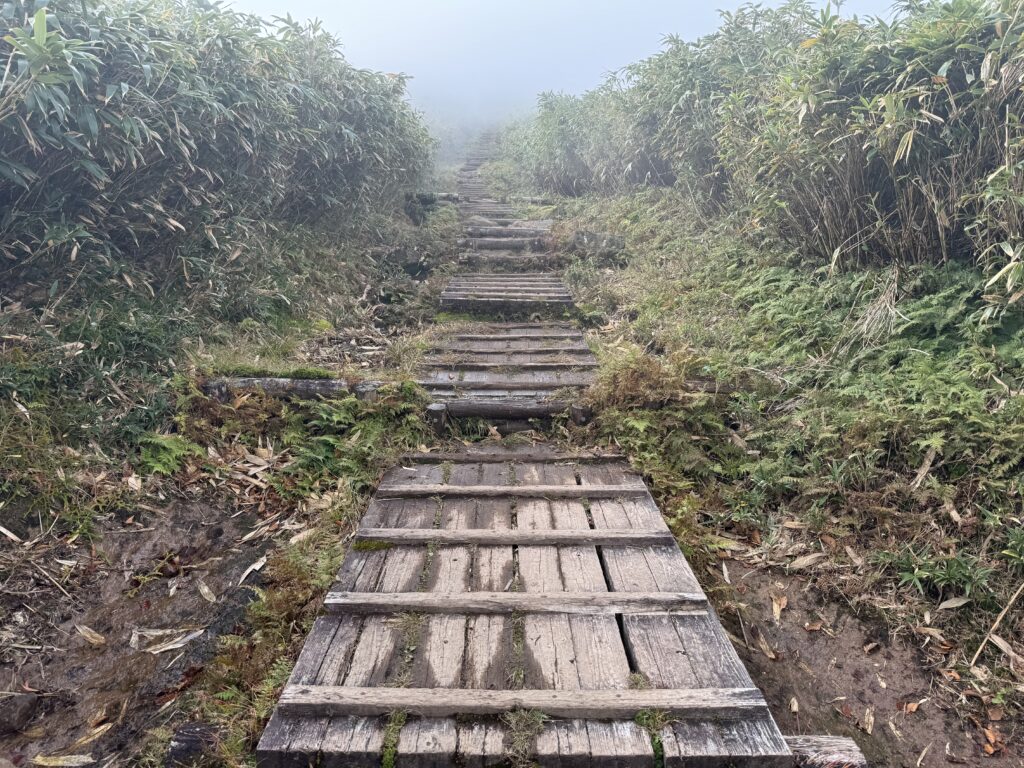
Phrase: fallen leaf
(854, 557)
(870, 648)
(911, 707)
(766, 649)
(205, 591)
(94, 734)
(254, 567)
(954, 602)
(63, 760)
(301, 536)
(1006, 648)
(794, 705)
(779, 603)
(94, 637)
(171, 645)
(806, 561)
(868, 723)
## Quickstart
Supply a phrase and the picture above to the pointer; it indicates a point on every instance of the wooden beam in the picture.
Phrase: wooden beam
(428, 490)
(502, 603)
(463, 407)
(453, 388)
(530, 456)
(573, 334)
(688, 703)
(606, 537)
(308, 389)
(826, 752)
(476, 365)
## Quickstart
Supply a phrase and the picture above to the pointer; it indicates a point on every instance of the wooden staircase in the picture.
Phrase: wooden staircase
(520, 604)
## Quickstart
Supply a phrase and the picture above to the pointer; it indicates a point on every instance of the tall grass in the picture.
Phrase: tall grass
(859, 141)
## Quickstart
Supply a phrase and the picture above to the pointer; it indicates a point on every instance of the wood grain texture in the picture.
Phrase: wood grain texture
(585, 537)
(826, 752)
(690, 703)
(564, 603)
(520, 491)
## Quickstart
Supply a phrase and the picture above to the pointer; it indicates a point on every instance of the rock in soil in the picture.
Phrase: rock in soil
(16, 712)
(190, 744)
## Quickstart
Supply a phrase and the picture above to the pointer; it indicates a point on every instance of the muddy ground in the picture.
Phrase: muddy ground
(100, 638)
(81, 622)
(824, 670)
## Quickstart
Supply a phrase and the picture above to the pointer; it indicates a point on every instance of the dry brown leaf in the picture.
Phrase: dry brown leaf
(766, 649)
(254, 567)
(868, 723)
(94, 734)
(953, 602)
(94, 637)
(63, 761)
(779, 603)
(806, 561)
(205, 591)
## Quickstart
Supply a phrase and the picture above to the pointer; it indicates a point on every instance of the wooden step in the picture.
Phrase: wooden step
(531, 454)
(517, 491)
(608, 537)
(520, 603)
(708, 704)
(420, 654)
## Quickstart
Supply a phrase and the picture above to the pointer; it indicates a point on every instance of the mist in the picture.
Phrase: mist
(474, 63)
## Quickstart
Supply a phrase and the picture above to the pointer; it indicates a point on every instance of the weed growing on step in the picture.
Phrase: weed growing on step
(522, 727)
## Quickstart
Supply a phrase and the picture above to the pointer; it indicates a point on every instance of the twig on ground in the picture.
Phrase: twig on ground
(995, 626)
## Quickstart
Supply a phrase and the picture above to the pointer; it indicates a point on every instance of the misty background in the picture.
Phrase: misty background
(476, 63)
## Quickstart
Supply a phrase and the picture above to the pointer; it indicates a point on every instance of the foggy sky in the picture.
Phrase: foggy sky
(477, 61)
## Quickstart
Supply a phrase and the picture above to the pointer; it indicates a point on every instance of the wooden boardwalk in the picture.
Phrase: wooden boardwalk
(520, 605)
(481, 585)
(506, 293)
(508, 370)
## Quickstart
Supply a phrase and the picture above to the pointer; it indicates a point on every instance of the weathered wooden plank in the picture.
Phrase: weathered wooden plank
(506, 409)
(481, 745)
(690, 703)
(570, 652)
(518, 349)
(300, 389)
(530, 454)
(509, 380)
(584, 604)
(521, 491)
(826, 752)
(510, 366)
(516, 335)
(568, 537)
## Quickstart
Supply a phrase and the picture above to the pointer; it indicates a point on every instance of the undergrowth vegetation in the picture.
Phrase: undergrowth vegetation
(178, 179)
(761, 397)
(859, 142)
(814, 338)
(336, 451)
